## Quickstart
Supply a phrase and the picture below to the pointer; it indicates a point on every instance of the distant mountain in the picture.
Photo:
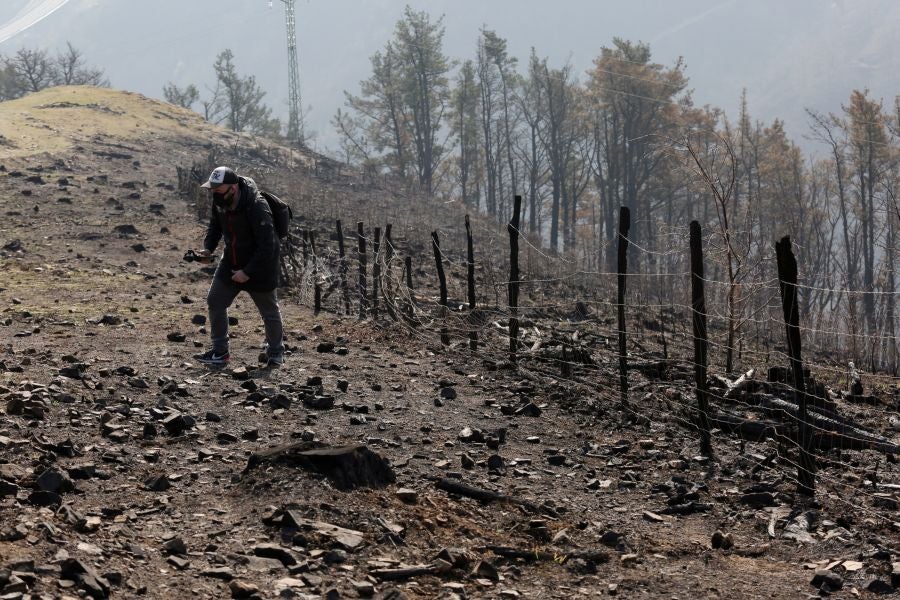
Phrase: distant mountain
(789, 55)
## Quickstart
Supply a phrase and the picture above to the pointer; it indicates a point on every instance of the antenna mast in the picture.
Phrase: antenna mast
(295, 131)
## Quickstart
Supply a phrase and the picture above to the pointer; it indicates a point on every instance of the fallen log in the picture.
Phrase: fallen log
(403, 572)
(596, 556)
(483, 495)
(842, 437)
(745, 389)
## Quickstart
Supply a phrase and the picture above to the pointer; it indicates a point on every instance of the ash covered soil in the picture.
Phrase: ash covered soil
(124, 464)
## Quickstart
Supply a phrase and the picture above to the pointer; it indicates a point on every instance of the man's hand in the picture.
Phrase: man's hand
(239, 277)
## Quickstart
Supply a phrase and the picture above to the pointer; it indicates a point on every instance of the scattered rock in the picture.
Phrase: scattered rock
(827, 580)
(721, 541)
(54, 480)
(276, 552)
(223, 573)
(175, 546)
(407, 495)
(157, 483)
(242, 589)
(879, 586)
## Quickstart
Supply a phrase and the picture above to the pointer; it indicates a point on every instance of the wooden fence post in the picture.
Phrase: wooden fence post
(787, 284)
(343, 267)
(701, 344)
(442, 280)
(361, 286)
(376, 271)
(317, 287)
(513, 229)
(407, 264)
(388, 243)
(624, 226)
(304, 240)
(470, 255)
(387, 291)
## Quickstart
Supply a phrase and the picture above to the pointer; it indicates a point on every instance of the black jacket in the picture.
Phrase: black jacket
(250, 241)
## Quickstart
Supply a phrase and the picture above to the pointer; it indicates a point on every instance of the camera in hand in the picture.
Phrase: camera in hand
(191, 256)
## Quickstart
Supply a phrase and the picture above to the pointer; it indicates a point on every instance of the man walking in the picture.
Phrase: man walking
(249, 263)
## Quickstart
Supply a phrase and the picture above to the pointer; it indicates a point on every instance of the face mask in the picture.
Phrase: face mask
(222, 200)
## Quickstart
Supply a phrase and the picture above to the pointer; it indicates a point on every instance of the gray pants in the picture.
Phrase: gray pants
(221, 294)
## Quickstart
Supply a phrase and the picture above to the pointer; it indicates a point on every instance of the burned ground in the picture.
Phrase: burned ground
(125, 467)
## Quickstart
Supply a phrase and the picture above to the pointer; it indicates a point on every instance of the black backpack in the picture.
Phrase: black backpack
(281, 214)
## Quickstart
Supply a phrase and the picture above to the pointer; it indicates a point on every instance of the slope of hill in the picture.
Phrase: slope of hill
(124, 466)
(58, 119)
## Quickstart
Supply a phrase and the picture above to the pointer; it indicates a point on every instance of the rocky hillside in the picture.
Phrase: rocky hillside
(374, 463)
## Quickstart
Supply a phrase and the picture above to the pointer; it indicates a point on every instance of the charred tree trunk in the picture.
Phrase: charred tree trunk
(470, 272)
(698, 306)
(787, 284)
(513, 229)
(442, 281)
(622, 270)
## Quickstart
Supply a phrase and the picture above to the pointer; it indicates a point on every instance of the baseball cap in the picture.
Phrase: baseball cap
(219, 176)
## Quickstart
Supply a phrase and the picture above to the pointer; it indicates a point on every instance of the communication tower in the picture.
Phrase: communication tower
(295, 130)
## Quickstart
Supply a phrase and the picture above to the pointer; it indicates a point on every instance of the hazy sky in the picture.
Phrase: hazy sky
(789, 54)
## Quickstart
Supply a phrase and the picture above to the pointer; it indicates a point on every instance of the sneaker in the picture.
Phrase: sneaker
(274, 361)
(212, 357)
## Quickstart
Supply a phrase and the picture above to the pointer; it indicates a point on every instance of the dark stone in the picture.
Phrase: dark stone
(275, 551)
(44, 498)
(175, 546)
(529, 410)
(610, 539)
(87, 579)
(177, 423)
(487, 570)
(319, 402)
(176, 336)
(557, 460)
(325, 347)
(149, 431)
(448, 393)
(8, 489)
(54, 480)
(158, 483)
(496, 463)
(198, 320)
(138, 383)
(879, 586)
(759, 499)
(828, 580)
(281, 401)
(469, 435)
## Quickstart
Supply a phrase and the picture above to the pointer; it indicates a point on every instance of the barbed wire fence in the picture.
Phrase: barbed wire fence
(822, 426)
